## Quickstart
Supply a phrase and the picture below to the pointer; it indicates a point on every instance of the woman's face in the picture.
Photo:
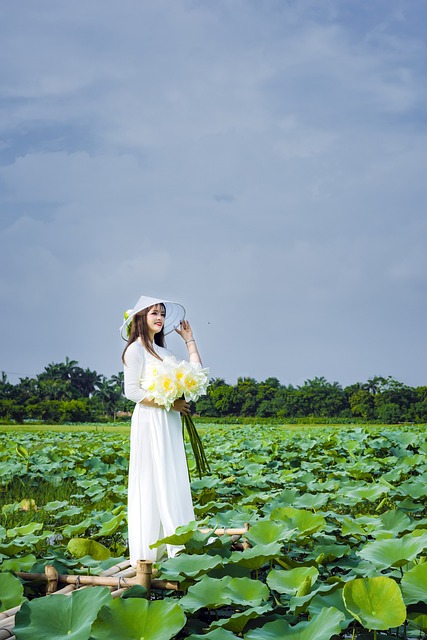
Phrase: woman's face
(155, 319)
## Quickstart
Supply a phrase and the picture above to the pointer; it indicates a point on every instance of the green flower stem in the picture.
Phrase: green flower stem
(202, 464)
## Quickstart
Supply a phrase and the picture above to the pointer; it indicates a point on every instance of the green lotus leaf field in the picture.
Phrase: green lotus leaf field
(333, 541)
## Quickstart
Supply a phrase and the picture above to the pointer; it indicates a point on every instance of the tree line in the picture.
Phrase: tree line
(65, 392)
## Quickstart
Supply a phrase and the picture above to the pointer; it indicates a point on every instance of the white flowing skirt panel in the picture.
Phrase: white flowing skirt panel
(159, 495)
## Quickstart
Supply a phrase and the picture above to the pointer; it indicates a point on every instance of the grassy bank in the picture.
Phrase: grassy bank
(124, 427)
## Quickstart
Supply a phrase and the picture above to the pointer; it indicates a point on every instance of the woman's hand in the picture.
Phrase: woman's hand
(181, 406)
(185, 331)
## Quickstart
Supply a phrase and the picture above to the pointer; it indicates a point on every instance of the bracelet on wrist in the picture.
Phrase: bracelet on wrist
(188, 341)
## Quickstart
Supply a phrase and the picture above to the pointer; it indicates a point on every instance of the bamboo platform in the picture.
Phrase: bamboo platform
(118, 578)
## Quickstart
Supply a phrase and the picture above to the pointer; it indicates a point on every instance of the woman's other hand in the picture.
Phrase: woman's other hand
(181, 406)
(185, 330)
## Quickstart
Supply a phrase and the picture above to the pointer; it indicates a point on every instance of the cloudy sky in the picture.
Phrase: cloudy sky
(261, 161)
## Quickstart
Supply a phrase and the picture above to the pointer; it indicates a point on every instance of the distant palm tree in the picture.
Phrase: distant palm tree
(118, 379)
(109, 395)
(374, 385)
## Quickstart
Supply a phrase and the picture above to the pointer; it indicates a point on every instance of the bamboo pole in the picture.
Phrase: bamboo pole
(6, 630)
(9, 612)
(126, 573)
(144, 571)
(121, 576)
(121, 566)
(69, 588)
(237, 531)
(52, 579)
(144, 578)
(7, 624)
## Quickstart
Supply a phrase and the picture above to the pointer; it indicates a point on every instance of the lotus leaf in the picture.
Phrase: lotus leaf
(60, 617)
(54, 506)
(215, 634)
(211, 507)
(256, 557)
(418, 620)
(299, 603)
(247, 592)
(110, 527)
(31, 539)
(304, 522)
(97, 566)
(208, 592)
(394, 552)
(75, 529)
(290, 581)
(136, 618)
(375, 602)
(11, 549)
(68, 513)
(24, 563)
(25, 530)
(80, 547)
(311, 501)
(414, 584)
(199, 541)
(267, 531)
(237, 516)
(137, 591)
(324, 553)
(331, 599)
(208, 482)
(212, 593)
(351, 527)
(11, 591)
(413, 488)
(320, 627)
(366, 492)
(394, 522)
(181, 536)
(238, 621)
(189, 565)
(287, 497)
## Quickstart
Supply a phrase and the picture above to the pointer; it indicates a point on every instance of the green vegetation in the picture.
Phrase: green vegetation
(338, 534)
(65, 392)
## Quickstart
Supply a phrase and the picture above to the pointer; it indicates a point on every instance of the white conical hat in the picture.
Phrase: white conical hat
(175, 313)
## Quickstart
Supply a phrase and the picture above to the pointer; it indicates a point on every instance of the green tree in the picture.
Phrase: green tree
(223, 398)
(362, 404)
(374, 385)
(318, 397)
(246, 397)
(109, 395)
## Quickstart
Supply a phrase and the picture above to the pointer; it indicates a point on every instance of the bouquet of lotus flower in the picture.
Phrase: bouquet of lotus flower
(166, 381)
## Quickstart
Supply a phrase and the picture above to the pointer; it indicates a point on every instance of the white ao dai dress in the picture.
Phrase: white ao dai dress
(159, 495)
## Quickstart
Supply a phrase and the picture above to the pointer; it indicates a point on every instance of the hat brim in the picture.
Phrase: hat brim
(175, 313)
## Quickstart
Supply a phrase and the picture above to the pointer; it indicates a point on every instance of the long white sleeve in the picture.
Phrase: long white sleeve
(135, 360)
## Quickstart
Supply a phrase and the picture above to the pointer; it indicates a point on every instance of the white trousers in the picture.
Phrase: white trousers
(159, 496)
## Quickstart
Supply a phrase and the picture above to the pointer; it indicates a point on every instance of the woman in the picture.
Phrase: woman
(159, 496)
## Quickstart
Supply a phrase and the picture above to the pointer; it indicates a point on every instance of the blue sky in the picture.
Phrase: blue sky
(261, 162)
